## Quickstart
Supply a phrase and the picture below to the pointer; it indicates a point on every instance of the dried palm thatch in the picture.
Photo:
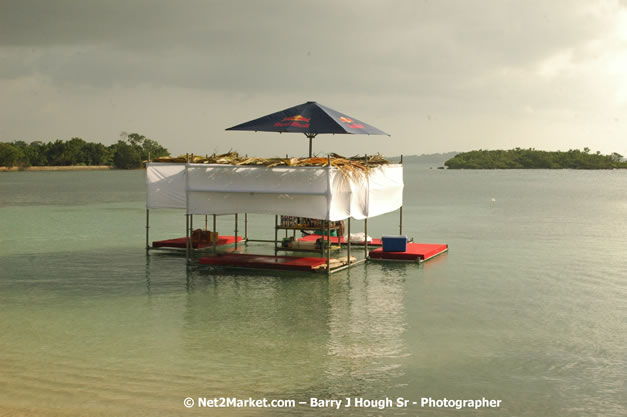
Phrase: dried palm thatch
(354, 166)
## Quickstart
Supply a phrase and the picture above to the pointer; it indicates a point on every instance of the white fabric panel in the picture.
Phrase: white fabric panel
(385, 190)
(206, 202)
(359, 199)
(340, 194)
(165, 186)
(381, 192)
(230, 178)
(219, 189)
(315, 192)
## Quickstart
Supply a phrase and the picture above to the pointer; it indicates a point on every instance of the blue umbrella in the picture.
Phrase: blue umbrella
(310, 118)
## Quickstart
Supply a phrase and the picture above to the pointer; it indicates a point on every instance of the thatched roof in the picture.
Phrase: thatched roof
(355, 165)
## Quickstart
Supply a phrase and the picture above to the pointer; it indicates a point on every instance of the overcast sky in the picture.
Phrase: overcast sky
(437, 75)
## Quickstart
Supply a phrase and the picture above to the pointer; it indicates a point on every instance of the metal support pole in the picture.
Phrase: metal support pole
(328, 247)
(246, 228)
(147, 228)
(187, 237)
(215, 235)
(400, 225)
(235, 230)
(328, 223)
(191, 232)
(205, 222)
(322, 241)
(276, 234)
(366, 237)
(349, 241)
(366, 219)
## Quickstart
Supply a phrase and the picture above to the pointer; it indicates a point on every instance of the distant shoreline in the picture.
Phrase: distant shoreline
(535, 159)
(60, 168)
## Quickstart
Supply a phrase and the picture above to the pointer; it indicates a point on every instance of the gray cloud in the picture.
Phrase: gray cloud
(423, 60)
(284, 45)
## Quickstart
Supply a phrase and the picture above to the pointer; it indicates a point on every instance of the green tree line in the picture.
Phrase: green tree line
(534, 159)
(127, 154)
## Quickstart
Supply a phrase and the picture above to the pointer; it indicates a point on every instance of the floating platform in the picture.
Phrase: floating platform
(340, 239)
(242, 260)
(179, 243)
(416, 252)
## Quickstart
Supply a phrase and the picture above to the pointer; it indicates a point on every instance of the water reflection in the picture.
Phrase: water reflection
(148, 273)
(262, 333)
(273, 333)
(367, 322)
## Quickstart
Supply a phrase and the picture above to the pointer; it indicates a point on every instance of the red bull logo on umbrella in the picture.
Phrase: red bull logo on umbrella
(351, 123)
(294, 121)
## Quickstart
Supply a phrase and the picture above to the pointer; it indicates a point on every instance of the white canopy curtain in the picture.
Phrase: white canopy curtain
(316, 192)
(165, 185)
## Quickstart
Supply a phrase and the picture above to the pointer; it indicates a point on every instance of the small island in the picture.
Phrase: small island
(534, 159)
(129, 153)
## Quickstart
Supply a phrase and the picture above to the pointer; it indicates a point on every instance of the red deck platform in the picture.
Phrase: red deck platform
(179, 243)
(293, 263)
(415, 252)
(335, 239)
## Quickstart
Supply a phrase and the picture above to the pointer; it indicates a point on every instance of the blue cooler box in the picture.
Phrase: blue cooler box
(394, 243)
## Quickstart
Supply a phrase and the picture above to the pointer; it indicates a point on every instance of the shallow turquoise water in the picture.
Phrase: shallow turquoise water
(528, 307)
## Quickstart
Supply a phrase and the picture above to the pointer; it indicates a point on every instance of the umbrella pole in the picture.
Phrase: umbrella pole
(310, 136)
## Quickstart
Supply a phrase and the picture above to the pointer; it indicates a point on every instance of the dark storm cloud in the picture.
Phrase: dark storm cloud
(407, 48)
(41, 23)
(514, 72)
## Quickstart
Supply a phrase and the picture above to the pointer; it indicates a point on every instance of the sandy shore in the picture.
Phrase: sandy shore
(60, 168)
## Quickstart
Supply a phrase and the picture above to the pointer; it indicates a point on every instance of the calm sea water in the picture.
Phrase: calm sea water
(529, 306)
